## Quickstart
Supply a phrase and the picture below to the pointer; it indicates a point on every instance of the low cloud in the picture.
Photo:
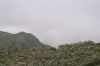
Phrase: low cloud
(53, 21)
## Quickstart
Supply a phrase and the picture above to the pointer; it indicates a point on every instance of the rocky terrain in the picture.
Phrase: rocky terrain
(24, 49)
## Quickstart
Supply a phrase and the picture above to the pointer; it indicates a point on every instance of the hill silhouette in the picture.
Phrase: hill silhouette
(20, 40)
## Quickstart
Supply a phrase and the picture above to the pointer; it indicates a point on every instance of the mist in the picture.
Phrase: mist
(54, 22)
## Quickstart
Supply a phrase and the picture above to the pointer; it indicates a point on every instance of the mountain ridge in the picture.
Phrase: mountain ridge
(19, 40)
(18, 53)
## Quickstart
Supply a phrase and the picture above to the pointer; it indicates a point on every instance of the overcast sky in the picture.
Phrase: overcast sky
(53, 21)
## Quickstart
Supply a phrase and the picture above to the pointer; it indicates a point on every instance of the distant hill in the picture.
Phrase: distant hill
(19, 40)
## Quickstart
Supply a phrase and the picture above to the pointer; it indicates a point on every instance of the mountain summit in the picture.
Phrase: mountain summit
(19, 40)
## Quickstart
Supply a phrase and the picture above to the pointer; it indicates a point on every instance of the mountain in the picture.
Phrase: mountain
(24, 49)
(26, 40)
(19, 40)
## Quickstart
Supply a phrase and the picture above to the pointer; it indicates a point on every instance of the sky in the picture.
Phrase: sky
(54, 22)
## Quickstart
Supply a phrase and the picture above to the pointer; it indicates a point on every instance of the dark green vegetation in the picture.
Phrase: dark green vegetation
(24, 49)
